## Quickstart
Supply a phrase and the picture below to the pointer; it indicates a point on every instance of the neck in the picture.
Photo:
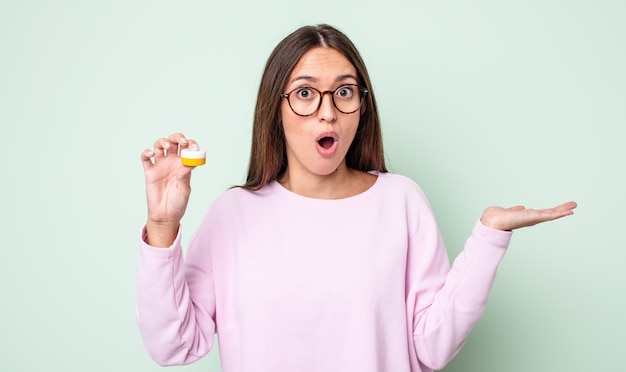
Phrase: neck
(342, 183)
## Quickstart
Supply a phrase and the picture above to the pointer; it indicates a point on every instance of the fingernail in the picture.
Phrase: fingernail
(183, 140)
(194, 147)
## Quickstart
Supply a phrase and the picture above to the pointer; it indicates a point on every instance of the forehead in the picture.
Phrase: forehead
(320, 64)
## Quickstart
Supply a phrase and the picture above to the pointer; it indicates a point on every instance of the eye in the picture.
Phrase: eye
(345, 91)
(305, 93)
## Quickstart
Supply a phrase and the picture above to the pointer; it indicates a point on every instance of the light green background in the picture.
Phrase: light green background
(482, 102)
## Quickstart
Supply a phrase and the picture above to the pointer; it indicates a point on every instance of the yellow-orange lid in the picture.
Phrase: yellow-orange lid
(193, 158)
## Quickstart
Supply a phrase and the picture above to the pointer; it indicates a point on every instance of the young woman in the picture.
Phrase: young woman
(322, 261)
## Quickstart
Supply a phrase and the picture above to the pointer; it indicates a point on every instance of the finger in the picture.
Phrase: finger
(566, 206)
(161, 147)
(560, 210)
(146, 159)
(192, 144)
(178, 140)
(517, 208)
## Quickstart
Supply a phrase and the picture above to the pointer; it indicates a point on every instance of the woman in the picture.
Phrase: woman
(322, 261)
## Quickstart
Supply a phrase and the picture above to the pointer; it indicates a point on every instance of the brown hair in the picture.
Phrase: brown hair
(268, 158)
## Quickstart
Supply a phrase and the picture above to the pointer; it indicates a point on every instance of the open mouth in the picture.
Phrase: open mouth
(326, 142)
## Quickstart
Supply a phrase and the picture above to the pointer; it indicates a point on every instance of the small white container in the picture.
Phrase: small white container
(193, 158)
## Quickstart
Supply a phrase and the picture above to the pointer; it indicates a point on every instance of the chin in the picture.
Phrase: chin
(327, 171)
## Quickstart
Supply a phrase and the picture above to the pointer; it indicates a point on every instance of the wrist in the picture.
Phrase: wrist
(160, 234)
(492, 218)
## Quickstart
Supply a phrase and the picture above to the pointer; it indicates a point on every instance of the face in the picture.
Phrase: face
(317, 144)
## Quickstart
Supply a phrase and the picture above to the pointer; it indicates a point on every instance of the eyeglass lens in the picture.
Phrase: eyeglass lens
(305, 101)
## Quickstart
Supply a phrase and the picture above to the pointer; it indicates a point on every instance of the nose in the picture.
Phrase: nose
(327, 111)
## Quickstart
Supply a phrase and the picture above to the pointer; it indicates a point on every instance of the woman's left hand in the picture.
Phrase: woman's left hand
(519, 216)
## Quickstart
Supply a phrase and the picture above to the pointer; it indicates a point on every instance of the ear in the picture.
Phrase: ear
(363, 108)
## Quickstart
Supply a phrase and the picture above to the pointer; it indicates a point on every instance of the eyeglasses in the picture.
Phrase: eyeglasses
(305, 101)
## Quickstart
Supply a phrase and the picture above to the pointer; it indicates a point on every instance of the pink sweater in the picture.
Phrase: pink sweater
(291, 283)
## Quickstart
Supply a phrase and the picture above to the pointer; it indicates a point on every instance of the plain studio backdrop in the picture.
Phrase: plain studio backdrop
(482, 103)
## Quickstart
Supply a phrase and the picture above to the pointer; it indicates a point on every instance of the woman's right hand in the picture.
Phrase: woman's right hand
(168, 186)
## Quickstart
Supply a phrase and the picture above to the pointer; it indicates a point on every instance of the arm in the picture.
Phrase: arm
(177, 322)
(449, 302)
(177, 325)
(446, 304)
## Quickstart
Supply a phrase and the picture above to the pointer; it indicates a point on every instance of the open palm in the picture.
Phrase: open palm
(519, 216)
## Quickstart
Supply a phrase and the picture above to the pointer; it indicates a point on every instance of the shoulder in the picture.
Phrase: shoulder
(404, 193)
(397, 179)
(392, 182)
(238, 198)
(235, 196)
(401, 190)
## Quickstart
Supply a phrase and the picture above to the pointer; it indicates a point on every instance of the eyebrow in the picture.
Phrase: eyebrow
(314, 79)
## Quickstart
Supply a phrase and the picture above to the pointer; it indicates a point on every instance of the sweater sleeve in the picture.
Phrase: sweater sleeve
(175, 305)
(443, 303)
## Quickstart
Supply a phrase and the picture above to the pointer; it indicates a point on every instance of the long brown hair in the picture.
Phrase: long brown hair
(268, 157)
